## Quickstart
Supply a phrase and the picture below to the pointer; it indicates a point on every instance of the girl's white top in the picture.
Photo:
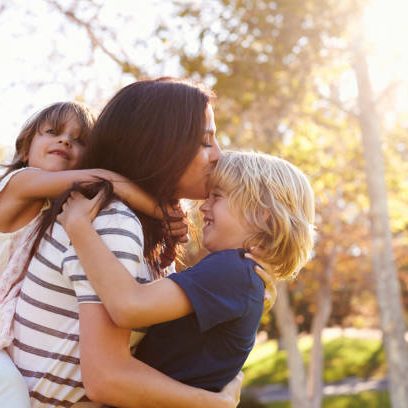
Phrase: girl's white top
(14, 249)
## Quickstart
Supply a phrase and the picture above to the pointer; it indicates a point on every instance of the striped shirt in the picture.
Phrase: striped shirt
(46, 327)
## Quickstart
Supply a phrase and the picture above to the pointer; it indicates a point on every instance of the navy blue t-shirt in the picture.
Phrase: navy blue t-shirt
(207, 349)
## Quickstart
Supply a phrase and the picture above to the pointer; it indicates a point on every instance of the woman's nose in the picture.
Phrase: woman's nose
(215, 152)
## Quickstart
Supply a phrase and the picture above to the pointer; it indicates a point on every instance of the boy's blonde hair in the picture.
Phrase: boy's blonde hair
(275, 199)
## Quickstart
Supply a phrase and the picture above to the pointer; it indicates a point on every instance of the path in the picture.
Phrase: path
(275, 392)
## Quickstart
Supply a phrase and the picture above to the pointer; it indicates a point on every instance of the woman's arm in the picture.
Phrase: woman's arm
(111, 375)
(266, 273)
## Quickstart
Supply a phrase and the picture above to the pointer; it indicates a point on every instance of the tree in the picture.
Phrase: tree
(388, 288)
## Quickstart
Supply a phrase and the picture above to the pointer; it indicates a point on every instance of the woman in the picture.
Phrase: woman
(161, 135)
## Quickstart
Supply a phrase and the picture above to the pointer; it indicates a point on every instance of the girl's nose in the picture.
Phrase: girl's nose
(66, 140)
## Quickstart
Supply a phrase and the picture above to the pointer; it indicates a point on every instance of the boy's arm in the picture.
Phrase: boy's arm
(129, 303)
(111, 375)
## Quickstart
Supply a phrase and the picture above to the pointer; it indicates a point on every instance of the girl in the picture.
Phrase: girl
(205, 319)
(50, 145)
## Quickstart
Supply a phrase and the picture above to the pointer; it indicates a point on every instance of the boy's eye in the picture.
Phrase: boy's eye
(216, 194)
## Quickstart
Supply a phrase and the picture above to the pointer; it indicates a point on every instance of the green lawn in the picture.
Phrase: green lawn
(367, 399)
(344, 357)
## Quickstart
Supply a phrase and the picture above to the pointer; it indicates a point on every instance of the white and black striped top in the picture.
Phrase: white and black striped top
(46, 328)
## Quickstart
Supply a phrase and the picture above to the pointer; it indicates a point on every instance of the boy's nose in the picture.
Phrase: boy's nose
(204, 206)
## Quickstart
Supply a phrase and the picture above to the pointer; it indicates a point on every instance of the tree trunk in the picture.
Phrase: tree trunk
(315, 382)
(288, 330)
(388, 288)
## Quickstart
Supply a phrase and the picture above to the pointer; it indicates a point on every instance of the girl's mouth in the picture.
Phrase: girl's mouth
(60, 153)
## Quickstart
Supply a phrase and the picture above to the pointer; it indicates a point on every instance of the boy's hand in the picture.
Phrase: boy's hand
(265, 272)
(79, 209)
(176, 223)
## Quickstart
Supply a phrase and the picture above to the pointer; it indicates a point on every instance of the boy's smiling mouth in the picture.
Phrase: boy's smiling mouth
(208, 221)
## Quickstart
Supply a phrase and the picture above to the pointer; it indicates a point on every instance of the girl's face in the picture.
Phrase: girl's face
(223, 229)
(56, 152)
(193, 182)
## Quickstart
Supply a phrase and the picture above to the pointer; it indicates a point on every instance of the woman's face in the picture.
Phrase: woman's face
(193, 183)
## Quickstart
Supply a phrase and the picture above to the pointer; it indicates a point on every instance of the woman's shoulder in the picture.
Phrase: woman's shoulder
(120, 209)
(118, 214)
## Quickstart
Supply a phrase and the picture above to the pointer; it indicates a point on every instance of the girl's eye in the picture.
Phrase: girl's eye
(80, 141)
(51, 131)
(206, 144)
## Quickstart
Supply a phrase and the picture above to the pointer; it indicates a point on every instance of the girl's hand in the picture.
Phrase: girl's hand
(232, 391)
(78, 209)
(265, 272)
(176, 223)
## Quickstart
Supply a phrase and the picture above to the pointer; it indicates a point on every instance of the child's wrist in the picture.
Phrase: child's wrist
(77, 225)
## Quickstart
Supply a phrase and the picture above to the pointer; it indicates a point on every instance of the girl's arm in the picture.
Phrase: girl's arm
(36, 184)
(129, 303)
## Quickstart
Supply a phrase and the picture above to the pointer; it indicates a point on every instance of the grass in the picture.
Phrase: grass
(367, 399)
(344, 357)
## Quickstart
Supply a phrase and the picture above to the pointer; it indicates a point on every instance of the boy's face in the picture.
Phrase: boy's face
(223, 229)
(56, 152)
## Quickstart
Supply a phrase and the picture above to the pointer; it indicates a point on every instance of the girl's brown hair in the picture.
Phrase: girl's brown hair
(55, 115)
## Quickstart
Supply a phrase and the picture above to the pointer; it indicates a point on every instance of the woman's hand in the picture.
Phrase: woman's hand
(265, 272)
(232, 391)
(78, 209)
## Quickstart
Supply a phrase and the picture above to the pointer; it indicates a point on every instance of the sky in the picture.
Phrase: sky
(38, 47)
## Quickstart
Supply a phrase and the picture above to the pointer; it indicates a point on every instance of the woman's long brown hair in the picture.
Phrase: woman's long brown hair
(149, 132)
